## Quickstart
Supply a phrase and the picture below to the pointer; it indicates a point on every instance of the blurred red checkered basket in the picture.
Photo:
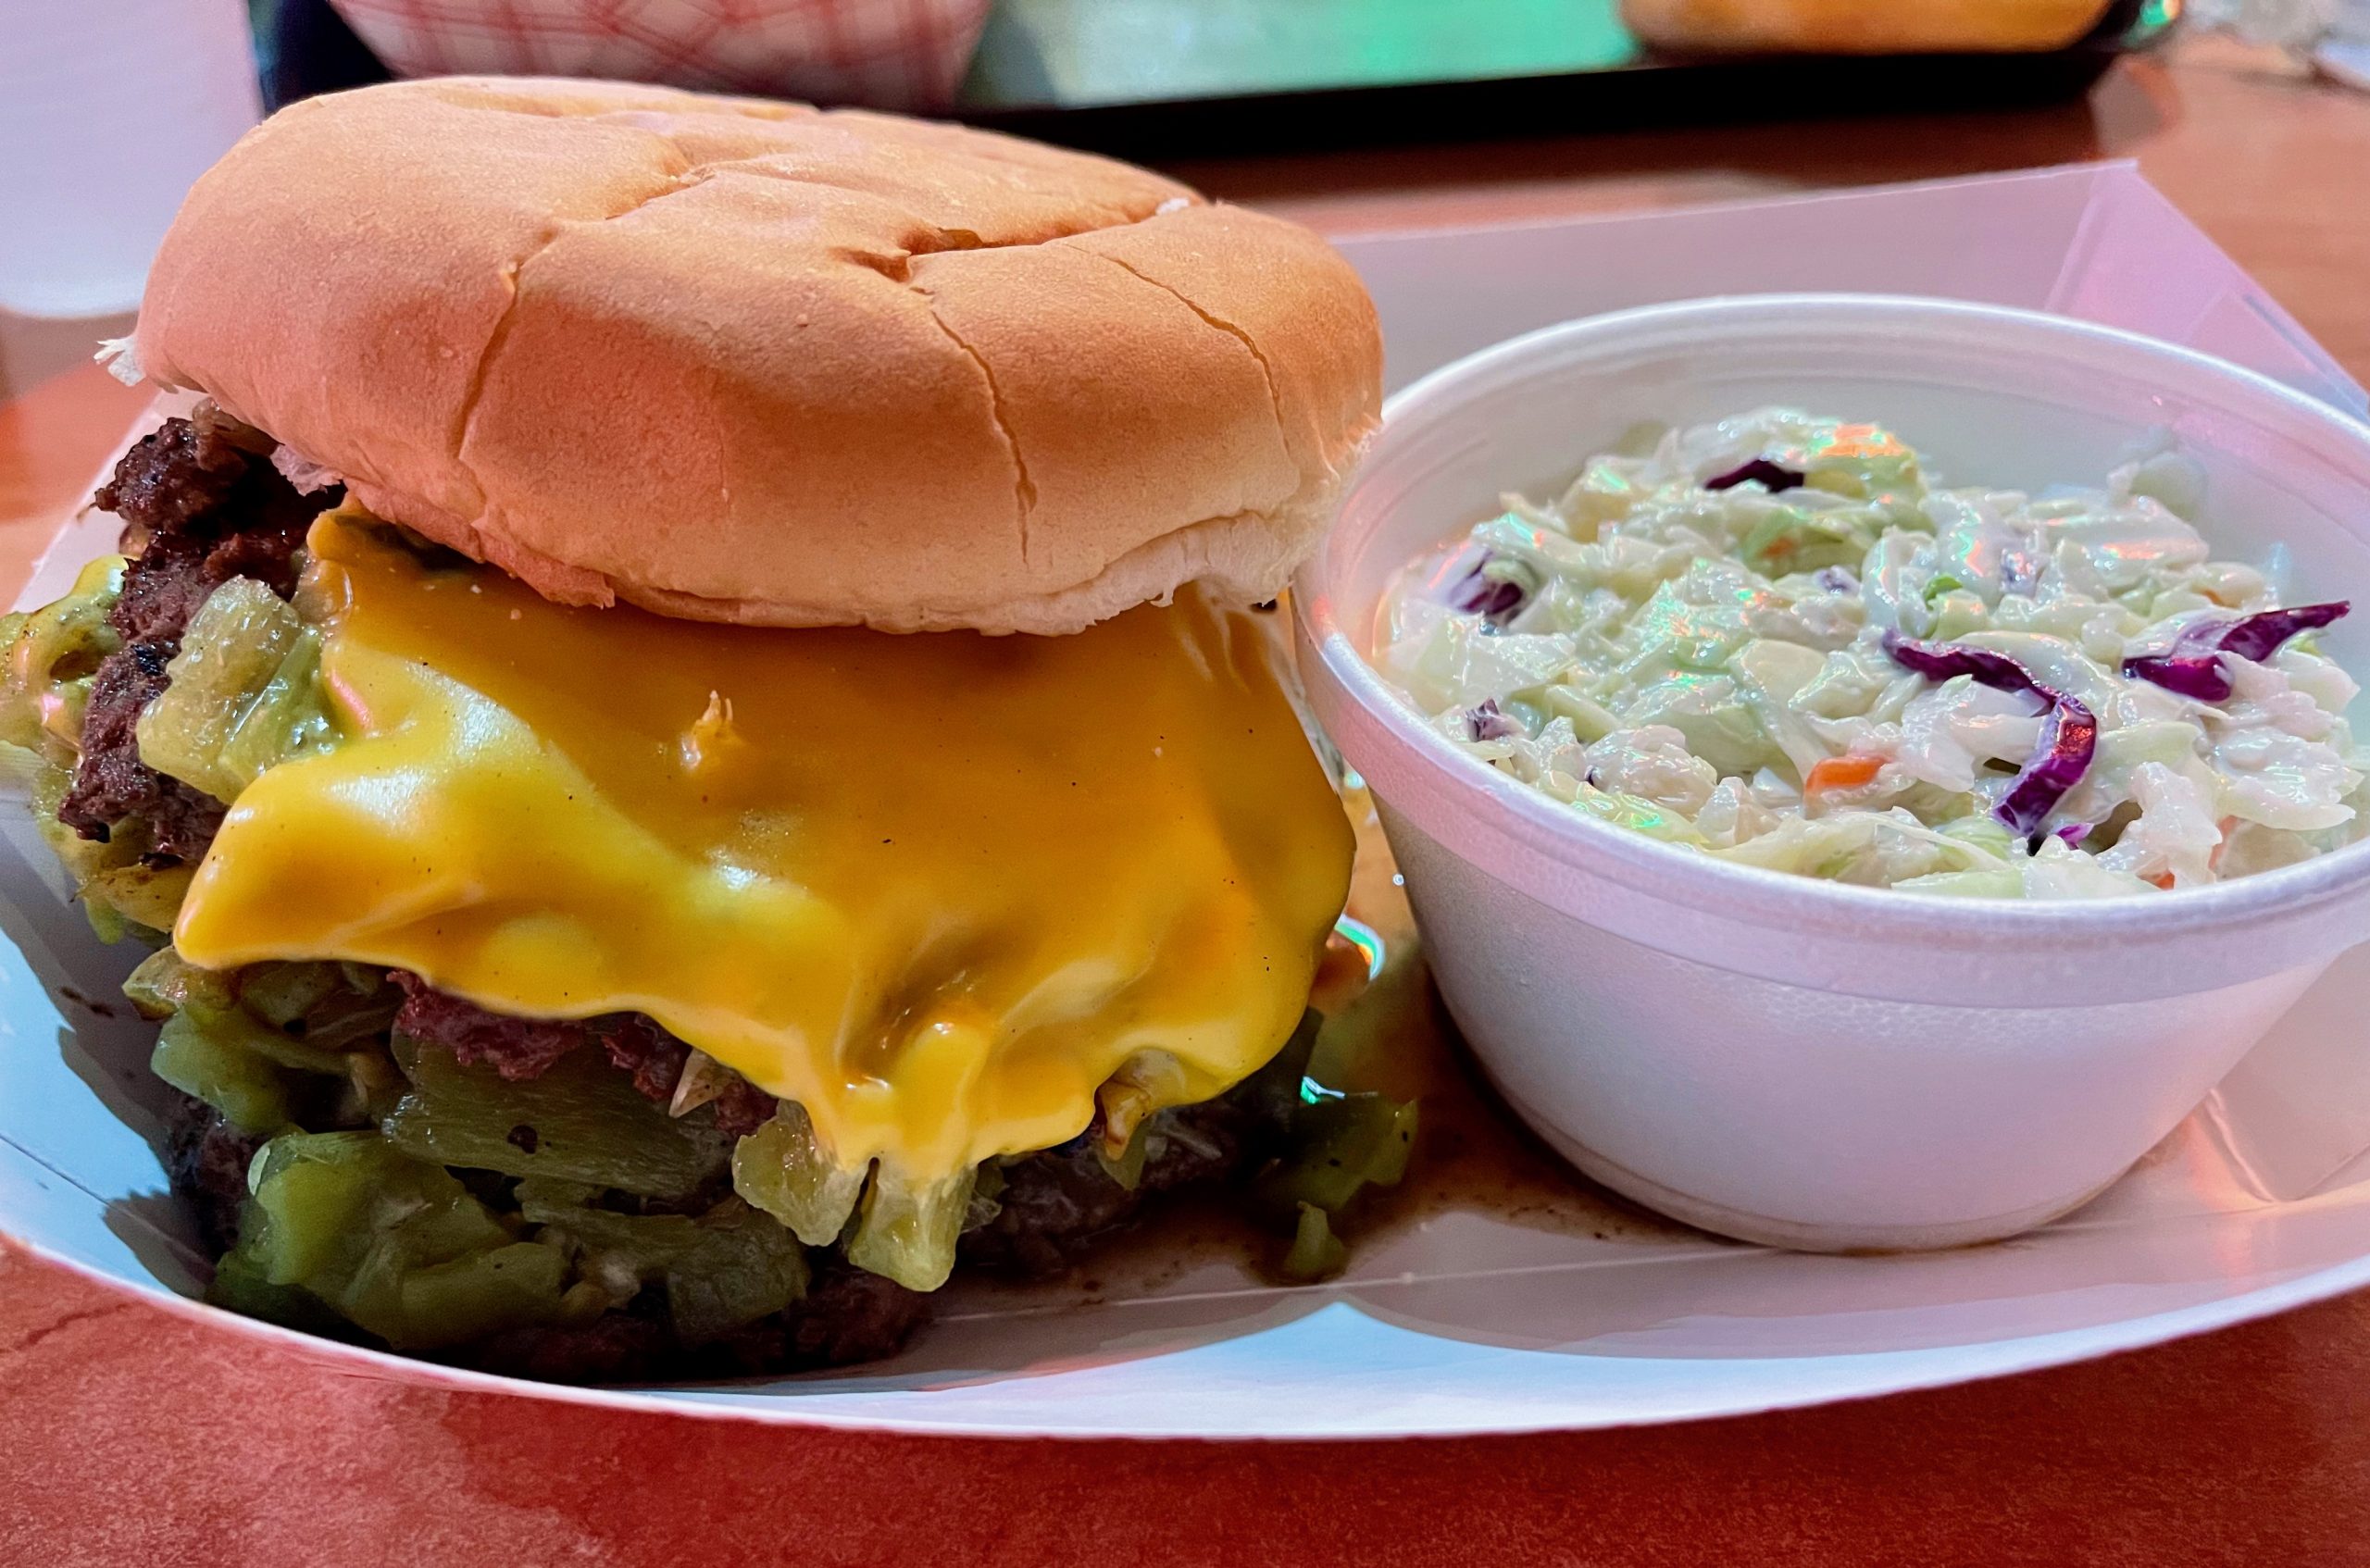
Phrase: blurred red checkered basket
(893, 54)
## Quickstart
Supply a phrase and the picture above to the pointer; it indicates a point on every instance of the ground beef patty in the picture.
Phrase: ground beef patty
(520, 1049)
(1056, 1205)
(1053, 1205)
(201, 504)
(207, 1159)
(847, 1316)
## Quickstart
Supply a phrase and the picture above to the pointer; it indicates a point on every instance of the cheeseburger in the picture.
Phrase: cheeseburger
(686, 716)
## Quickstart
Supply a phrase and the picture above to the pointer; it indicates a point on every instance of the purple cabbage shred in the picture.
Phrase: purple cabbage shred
(2192, 666)
(1772, 476)
(1495, 599)
(2068, 738)
(2259, 636)
(1485, 722)
(1836, 580)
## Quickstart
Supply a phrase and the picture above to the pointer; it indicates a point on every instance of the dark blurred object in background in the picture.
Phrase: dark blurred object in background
(303, 48)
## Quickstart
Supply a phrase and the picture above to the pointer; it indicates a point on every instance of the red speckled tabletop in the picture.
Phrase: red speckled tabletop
(131, 1437)
(135, 1437)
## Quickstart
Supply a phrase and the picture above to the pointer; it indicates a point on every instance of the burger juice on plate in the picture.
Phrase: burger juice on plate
(1771, 639)
(685, 722)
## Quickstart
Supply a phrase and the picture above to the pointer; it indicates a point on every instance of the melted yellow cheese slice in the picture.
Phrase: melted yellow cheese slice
(936, 889)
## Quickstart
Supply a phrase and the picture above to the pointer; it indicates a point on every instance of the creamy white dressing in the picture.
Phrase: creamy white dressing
(1710, 666)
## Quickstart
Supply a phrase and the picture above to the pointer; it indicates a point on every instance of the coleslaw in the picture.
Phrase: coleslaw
(1771, 640)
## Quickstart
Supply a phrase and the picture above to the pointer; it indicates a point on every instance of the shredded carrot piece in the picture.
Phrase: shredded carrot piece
(2162, 879)
(1864, 440)
(1842, 773)
(2224, 826)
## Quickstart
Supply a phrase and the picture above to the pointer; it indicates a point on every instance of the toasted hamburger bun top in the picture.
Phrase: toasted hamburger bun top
(747, 361)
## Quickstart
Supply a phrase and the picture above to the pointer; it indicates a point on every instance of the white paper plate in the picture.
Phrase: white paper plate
(1574, 1314)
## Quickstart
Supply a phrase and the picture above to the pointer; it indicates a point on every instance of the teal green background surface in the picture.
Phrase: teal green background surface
(1071, 54)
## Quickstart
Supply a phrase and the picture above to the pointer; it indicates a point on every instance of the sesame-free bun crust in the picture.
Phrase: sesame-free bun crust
(747, 361)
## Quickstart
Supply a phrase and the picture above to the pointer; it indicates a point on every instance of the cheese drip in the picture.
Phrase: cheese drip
(936, 889)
